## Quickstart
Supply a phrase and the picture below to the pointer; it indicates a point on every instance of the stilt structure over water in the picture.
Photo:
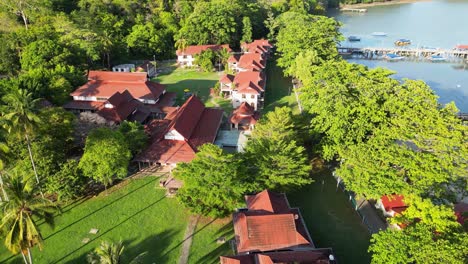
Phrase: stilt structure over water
(415, 53)
(358, 10)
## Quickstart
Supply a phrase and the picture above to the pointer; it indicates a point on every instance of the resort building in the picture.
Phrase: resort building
(268, 230)
(247, 62)
(391, 205)
(261, 46)
(245, 87)
(186, 57)
(121, 95)
(177, 137)
(244, 117)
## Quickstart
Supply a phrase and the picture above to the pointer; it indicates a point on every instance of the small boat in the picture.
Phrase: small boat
(403, 42)
(354, 38)
(393, 57)
(379, 34)
(436, 58)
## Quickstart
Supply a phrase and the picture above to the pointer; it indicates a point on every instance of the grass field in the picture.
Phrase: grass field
(331, 220)
(199, 83)
(278, 89)
(138, 214)
(204, 248)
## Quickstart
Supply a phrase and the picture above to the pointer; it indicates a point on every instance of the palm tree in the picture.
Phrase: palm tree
(223, 56)
(20, 113)
(3, 152)
(181, 44)
(111, 253)
(20, 214)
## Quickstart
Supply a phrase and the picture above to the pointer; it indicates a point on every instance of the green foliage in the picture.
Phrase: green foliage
(300, 32)
(431, 236)
(274, 156)
(214, 182)
(135, 135)
(68, 183)
(111, 253)
(21, 212)
(205, 60)
(106, 156)
(246, 30)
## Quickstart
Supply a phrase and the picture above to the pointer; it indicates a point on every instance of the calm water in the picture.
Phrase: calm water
(438, 24)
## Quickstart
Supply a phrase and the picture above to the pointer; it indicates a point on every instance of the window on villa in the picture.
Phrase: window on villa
(243, 96)
(185, 56)
(101, 98)
(252, 96)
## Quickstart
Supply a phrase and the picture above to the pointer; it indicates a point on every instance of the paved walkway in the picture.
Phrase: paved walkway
(370, 216)
(187, 243)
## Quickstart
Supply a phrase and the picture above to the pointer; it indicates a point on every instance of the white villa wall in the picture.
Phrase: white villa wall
(187, 61)
(173, 135)
(237, 99)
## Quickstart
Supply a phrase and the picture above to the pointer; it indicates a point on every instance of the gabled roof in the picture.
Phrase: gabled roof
(311, 256)
(252, 61)
(234, 58)
(245, 115)
(105, 84)
(259, 45)
(268, 201)
(196, 49)
(238, 259)
(249, 82)
(124, 107)
(227, 78)
(195, 122)
(394, 203)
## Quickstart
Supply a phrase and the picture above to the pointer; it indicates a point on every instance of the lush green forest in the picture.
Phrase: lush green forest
(382, 136)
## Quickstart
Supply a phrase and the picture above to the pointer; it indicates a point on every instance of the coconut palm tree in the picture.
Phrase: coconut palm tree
(111, 253)
(3, 152)
(181, 44)
(20, 114)
(20, 214)
(223, 57)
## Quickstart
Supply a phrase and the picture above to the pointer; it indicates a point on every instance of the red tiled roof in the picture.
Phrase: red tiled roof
(259, 45)
(227, 78)
(239, 259)
(234, 58)
(311, 256)
(265, 232)
(83, 105)
(462, 47)
(245, 115)
(249, 82)
(105, 84)
(196, 123)
(252, 61)
(207, 127)
(268, 201)
(196, 49)
(394, 202)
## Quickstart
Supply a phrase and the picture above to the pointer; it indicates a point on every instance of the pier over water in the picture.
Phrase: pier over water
(377, 52)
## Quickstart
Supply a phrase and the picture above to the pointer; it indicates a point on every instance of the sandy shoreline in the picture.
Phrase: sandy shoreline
(394, 2)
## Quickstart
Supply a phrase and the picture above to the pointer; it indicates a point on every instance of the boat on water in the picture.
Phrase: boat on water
(379, 34)
(354, 38)
(403, 42)
(393, 57)
(436, 58)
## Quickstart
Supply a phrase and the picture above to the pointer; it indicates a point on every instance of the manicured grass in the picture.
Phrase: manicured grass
(197, 82)
(331, 220)
(204, 247)
(278, 89)
(136, 212)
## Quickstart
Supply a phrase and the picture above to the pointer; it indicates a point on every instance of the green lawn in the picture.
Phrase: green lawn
(278, 89)
(331, 220)
(138, 213)
(204, 248)
(197, 82)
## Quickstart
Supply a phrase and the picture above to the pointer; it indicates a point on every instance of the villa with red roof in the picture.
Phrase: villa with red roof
(392, 205)
(119, 96)
(247, 62)
(261, 46)
(244, 117)
(248, 87)
(270, 231)
(178, 136)
(186, 57)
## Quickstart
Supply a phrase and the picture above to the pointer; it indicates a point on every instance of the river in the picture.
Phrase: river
(436, 23)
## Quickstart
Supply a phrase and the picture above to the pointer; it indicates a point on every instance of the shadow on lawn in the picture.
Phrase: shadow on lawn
(198, 87)
(110, 229)
(95, 211)
(213, 256)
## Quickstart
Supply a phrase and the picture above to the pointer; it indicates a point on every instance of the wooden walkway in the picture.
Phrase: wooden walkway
(375, 52)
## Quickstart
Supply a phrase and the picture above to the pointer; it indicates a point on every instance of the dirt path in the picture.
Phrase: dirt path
(185, 251)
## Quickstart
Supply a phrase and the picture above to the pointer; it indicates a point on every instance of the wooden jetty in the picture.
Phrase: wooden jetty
(358, 10)
(415, 53)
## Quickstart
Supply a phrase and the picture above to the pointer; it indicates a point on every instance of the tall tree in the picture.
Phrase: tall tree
(20, 215)
(21, 114)
(135, 135)
(246, 30)
(214, 182)
(106, 156)
(24, 8)
(4, 150)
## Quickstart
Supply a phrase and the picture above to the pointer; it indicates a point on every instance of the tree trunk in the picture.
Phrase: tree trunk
(30, 256)
(31, 157)
(24, 258)
(3, 189)
(25, 19)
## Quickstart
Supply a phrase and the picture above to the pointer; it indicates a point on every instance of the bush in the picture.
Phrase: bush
(67, 183)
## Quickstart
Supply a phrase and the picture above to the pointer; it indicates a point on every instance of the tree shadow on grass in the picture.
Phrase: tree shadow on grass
(110, 229)
(95, 211)
(223, 249)
(154, 247)
(198, 87)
